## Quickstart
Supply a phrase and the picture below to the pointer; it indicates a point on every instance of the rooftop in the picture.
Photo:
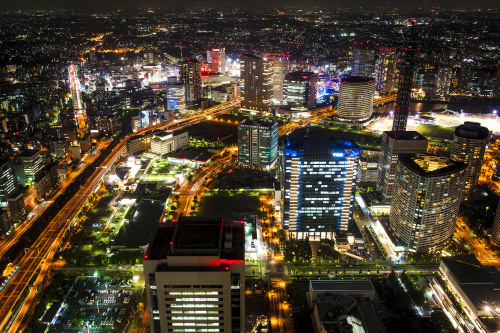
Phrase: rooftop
(356, 79)
(258, 122)
(341, 285)
(406, 135)
(472, 130)
(429, 165)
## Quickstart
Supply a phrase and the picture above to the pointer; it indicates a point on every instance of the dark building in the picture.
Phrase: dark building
(258, 143)
(190, 77)
(256, 86)
(300, 90)
(363, 60)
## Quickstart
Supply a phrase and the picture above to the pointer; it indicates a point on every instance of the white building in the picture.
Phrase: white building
(163, 142)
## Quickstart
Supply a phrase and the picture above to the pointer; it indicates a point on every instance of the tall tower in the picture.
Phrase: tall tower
(406, 66)
(279, 68)
(256, 83)
(320, 183)
(258, 143)
(426, 201)
(356, 98)
(469, 145)
(386, 70)
(300, 90)
(495, 233)
(190, 77)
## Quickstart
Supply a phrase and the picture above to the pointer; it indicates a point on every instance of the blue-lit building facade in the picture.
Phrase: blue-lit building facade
(320, 184)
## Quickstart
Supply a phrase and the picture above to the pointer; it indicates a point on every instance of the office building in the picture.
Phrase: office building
(258, 143)
(279, 66)
(443, 82)
(190, 77)
(320, 183)
(256, 85)
(32, 163)
(4, 221)
(386, 70)
(495, 232)
(355, 98)
(393, 144)
(469, 145)
(465, 77)
(363, 60)
(497, 85)
(195, 276)
(406, 66)
(300, 90)
(166, 142)
(8, 181)
(17, 208)
(427, 196)
(216, 59)
(368, 166)
(138, 143)
(176, 98)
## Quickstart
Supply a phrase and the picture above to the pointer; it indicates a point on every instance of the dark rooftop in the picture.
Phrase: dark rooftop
(406, 135)
(472, 130)
(29, 153)
(258, 122)
(356, 79)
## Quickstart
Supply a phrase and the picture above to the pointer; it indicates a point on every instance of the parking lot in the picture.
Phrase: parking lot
(96, 304)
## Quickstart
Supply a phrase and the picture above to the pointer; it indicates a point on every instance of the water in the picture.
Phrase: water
(474, 106)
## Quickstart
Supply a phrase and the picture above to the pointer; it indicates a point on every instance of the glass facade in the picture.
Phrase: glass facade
(320, 182)
(258, 143)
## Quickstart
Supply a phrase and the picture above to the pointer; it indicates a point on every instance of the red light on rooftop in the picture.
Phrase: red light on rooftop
(171, 243)
(174, 221)
(145, 256)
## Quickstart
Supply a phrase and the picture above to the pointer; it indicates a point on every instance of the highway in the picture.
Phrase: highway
(39, 257)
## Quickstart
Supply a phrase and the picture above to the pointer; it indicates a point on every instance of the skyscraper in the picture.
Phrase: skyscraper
(256, 83)
(363, 60)
(497, 86)
(300, 90)
(217, 59)
(258, 143)
(190, 77)
(406, 66)
(386, 70)
(495, 233)
(356, 98)
(8, 181)
(320, 183)
(195, 276)
(469, 145)
(443, 83)
(465, 77)
(393, 144)
(279, 68)
(32, 163)
(426, 200)
(176, 98)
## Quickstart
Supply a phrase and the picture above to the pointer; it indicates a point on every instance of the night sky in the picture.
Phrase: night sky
(96, 4)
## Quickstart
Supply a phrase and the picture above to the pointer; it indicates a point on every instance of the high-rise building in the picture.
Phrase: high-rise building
(176, 98)
(279, 66)
(495, 232)
(300, 90)
(320, 183)
(190, 77)
(363, 62)
(386, 70)
(195, 276)
(4, 221)
(32, 163)
(258, 143)
(393, 144)
(469, 145)
(8, 180)
(217, 59)
(256, 83)
(17, 208)
(427, 196)
(355, 98)
(465, 77)
(443, 83)
(497, 86)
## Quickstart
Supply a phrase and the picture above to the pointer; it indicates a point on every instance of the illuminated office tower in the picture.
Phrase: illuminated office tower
(190, 77)
(258, 143)
(393, 144)
(300, 90)
(427, 196)
(320, 183)
(17, 208)
(194, 271)
(256, 83)
(355, 98)
(469, 145)
(363, 60)
(217, 59)
(279, 66)
(32, 163)
(8, 181)
(406, 66)
(465, 77)
(386, 70)
(176, 98)
(443, 82)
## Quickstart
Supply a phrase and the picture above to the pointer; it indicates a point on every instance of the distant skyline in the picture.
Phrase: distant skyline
(117, 4)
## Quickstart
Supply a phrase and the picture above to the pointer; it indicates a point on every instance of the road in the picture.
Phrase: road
(39, 257)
